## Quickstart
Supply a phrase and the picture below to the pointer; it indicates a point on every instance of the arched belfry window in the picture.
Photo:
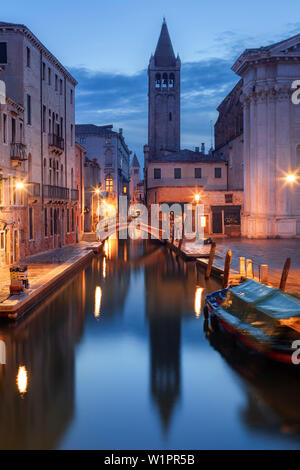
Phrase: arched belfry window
(157, 80)
(165, 80)
(171, 80)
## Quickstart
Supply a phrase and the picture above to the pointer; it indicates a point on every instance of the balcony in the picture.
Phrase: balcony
(74, 194)
(18, 153)
(33, 189)
(55, 192)
(56, 143)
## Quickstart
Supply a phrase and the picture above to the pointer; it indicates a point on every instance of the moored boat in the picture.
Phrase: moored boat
(262, 318)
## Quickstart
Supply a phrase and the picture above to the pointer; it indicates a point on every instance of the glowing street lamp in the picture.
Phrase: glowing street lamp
(291, 178)
(197, 197)
(22, 380)
(20, 185)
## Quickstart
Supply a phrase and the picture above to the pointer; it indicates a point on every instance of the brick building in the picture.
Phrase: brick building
(39, 84)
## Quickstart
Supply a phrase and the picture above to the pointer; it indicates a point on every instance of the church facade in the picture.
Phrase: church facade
(174, 175)
(259, 126)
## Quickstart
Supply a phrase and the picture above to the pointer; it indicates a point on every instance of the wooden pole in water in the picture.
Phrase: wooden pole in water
(227, 268)
(284, 274)
(211, 260)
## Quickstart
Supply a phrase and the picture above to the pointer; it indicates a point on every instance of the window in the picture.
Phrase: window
(3, 53)
(198, 172)
(157, 173)
(228, 198)
(72, 220)
(44, 71)
(171, 80)
(1, 189)
(46, 222)
(177, 173)
(109, 185)
(51, 221)
(157, 80)
(61, 86)
(28, 58)
(13, 130)
(61, 127)
(29, 110)
(170, 116)
(71, 135)
(165, 81)
(68, 220)
(136, 172)
(2, 240)
(44, 118)
(218, 172)
(56, 82)
(49, 76)
(30, 215)
(108, 157)
(71, 96)
(14, 190)
(4, 129)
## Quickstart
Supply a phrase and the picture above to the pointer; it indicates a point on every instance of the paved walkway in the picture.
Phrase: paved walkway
(43, 266)
(271, 252)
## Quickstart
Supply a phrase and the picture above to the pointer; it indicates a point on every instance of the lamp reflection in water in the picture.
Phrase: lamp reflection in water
(22, 380)
(198, 300)
(98, 298)
(104, 268)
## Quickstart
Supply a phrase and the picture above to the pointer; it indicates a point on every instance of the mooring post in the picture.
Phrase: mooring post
(285, 273)
(242, 266)
(264, 269)
(211, 260)
(227, 269)
(249, 269)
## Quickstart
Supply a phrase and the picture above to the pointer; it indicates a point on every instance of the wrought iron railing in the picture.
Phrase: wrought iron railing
(56, 141)
(74, 194)
(55, 192)
(34, 189)
(18, 151)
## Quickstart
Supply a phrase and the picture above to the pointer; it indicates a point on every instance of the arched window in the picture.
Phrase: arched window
(165, 80)
(171, 80)
(157, 80)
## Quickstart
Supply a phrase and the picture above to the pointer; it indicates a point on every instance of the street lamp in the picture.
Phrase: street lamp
(20, 185)
(290, 178)
(197, 197)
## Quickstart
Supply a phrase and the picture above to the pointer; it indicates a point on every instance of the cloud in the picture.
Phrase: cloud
(122, 100)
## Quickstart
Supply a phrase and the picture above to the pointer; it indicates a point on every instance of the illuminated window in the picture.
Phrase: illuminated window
(125, 189)
(109, 185)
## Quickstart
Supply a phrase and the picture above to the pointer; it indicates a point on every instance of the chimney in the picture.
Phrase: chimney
(121, 131)
(197, 149)
(202, 147)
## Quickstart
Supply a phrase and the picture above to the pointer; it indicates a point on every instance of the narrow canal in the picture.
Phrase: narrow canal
(118, 358)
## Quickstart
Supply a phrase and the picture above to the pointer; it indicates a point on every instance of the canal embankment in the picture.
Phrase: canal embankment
(46, 271)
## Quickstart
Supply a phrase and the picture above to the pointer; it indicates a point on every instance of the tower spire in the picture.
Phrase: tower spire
(164, 54)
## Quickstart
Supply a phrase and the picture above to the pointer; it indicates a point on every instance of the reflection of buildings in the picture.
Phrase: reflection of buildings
(272, 391)
(44, 345)
(167, 279)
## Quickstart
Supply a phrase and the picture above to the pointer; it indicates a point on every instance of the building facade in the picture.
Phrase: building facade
(13, 243)
(136, 185)
(173, 175)
(92, 182)
(258, 129)
(37, 82)
(109, 149)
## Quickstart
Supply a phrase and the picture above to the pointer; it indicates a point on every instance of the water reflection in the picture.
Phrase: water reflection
(122, 343)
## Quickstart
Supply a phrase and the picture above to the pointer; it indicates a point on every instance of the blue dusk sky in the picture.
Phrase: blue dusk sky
(106, 45)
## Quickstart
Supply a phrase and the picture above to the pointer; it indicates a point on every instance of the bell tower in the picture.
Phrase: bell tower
(163, 98)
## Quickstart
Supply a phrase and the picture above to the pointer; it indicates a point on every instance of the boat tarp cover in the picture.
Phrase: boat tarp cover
(267, 300)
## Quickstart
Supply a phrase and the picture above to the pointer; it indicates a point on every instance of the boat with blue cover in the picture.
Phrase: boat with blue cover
(262, 318)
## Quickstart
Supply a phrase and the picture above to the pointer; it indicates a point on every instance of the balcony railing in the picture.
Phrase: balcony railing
(55, 192)
(74, 194)
(34, 189)
(18, 151)
(56, 142)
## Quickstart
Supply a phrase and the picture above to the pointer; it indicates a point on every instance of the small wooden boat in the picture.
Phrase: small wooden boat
(262, 318)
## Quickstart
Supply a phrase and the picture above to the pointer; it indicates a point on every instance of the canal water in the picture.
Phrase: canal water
(120, 358)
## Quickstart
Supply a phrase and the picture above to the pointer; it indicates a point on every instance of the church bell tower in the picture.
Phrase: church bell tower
(164, 98)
